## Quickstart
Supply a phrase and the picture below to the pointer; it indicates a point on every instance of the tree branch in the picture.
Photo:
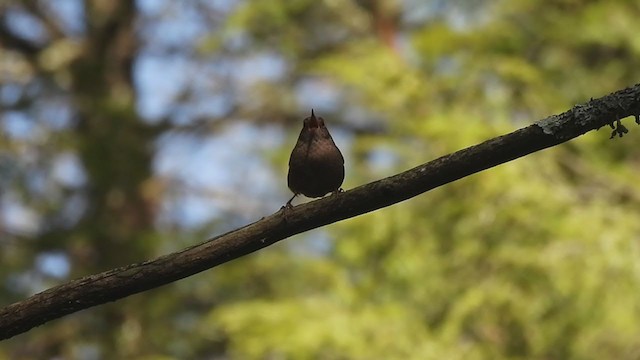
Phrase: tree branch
(53, 26)
(118, 283)
(12, 41)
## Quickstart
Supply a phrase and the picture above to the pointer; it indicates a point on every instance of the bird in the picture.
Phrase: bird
(316, 165)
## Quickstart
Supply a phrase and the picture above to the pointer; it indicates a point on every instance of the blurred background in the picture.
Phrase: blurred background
(131, 129)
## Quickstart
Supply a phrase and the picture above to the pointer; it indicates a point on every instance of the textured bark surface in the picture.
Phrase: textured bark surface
(118, 283)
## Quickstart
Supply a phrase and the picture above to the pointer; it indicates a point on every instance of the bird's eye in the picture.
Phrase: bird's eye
(321, 122)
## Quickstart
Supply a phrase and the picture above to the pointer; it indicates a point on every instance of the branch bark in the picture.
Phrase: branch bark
(118, 283)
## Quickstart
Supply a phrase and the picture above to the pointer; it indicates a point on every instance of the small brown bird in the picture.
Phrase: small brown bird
(316, 166)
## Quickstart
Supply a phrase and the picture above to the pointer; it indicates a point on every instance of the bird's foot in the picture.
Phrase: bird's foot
(288, 204)
(286, 208)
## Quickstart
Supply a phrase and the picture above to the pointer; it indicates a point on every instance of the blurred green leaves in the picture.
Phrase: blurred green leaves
(533, 259)
(536, 258)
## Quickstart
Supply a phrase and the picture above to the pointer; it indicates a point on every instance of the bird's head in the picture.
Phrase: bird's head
(315, 125)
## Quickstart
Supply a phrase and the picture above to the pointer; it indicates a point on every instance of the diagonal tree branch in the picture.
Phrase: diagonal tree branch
(11, 40)
(118, 283)
(36, 9)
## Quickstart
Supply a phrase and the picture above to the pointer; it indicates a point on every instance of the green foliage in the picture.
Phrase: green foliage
(534, 259)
